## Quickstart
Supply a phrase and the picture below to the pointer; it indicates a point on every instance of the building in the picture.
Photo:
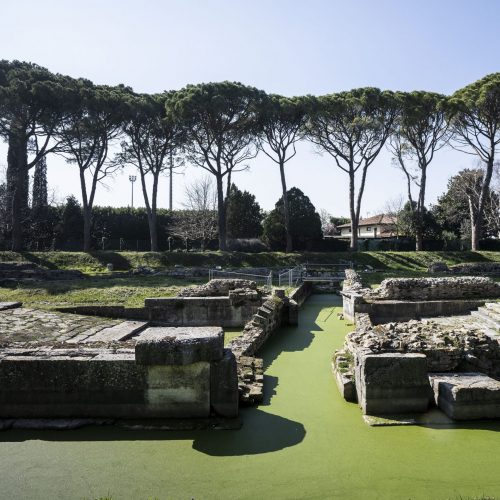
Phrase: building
(378, 226)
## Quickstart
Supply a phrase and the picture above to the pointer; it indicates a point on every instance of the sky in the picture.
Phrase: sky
(290, 47)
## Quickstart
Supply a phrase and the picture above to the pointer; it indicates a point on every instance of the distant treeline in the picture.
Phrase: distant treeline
(219, 127)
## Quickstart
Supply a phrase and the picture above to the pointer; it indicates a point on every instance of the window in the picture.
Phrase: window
(369, 229)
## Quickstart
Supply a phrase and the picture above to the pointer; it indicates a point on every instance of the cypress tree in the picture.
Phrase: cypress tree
(40, 200)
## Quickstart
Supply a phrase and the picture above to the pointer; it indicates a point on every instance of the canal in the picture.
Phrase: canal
(303, 442)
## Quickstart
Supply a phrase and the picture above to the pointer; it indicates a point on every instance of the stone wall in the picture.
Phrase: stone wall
(302, 293)
(218, 288)
(200, 311)
(467, 287)
(263, 324)
(164, 373)
(232, 304)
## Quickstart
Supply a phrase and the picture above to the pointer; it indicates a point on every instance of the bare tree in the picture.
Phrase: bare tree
(198, 220)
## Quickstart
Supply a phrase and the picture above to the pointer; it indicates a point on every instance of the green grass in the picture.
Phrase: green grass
(95, 262)
(130, 291)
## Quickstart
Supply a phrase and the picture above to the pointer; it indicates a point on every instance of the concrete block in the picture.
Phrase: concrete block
(466, 396)
(224, 386)
(392, 383)
(179, 345)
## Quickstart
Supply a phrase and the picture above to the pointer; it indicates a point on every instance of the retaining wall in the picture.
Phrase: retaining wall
(171, 373)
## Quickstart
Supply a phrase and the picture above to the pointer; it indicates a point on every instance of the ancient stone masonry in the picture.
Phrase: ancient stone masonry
(467, 268)
(219, 288)
(466, 396)
(55, 365)
(467, 287)
(462, 352)
(232, 304)
(402, 299)
(352, 281)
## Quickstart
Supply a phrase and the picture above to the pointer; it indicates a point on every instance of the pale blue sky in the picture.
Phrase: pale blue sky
(289, 47)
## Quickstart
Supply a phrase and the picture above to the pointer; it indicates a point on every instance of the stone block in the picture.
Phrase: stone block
(9, 305)
(178, 391)
(224, 386)
(466, 396)
(179, 345)
(392, 383)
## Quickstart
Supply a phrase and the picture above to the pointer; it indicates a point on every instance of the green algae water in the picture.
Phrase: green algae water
(304, 442)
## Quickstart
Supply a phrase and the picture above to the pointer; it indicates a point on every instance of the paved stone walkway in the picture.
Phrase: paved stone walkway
(21, 326)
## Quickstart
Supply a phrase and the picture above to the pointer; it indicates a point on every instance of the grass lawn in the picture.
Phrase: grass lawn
(129, 291)
(95, 262)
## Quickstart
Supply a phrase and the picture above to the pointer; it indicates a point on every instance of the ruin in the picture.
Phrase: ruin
(419, 342)
(170, 363)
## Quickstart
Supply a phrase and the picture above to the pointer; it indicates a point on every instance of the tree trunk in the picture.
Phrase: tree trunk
(418, 238)
(221, 215)
(17, 187)
(87, 226)
(354, 217)
(475, 235)
(286, 210)
(171, 182)
(153, 231)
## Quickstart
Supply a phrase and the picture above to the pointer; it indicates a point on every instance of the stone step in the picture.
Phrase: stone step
(488, 313)
(486, 320)
(493, 309)
(495, 306)
(116, 333)
(9, 305)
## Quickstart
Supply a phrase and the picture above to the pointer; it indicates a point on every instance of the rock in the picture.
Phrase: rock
(217, 288)
(179, 345)
(466, 396)
(392, 383)
(438, 267)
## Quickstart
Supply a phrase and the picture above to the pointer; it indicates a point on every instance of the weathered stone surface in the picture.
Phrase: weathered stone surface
(258, 329)
(352, 282)
(217, 288)
(9, 305)
(224, 386)
(466, 396)
(201, 311)
(119, 332)
(26, 325)
(55, 365)
(438, 267)
(467, 287)
(477, 268)
(392, 383)
(344, 377)
(178, 391)
(179, 345)
(250, 380)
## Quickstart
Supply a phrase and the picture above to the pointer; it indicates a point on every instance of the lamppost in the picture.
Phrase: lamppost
(132, 179)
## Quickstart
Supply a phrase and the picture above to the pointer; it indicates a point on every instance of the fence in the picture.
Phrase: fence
(291, 277)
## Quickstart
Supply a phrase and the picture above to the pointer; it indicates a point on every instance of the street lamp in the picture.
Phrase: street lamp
(132, 179)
